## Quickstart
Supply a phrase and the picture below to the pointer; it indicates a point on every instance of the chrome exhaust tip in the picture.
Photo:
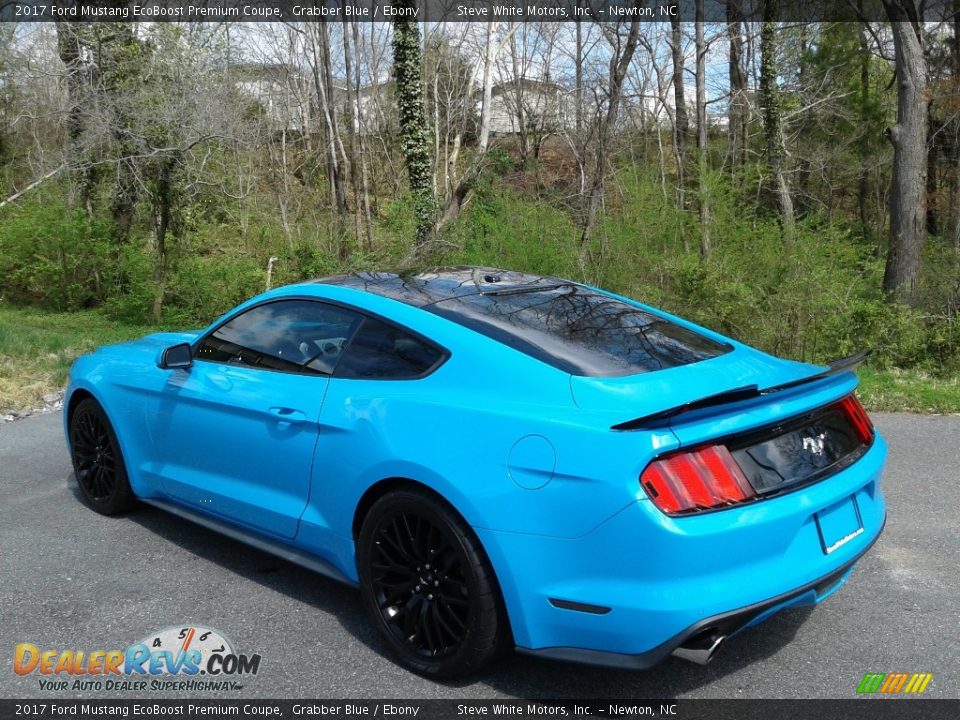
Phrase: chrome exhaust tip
(700, 650)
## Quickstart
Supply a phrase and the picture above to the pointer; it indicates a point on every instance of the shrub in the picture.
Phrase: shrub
(56, 260)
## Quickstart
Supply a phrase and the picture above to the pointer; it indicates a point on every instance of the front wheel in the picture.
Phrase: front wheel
(428, 586)
(97, 460)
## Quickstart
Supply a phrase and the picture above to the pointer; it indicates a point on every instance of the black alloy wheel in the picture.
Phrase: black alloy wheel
(428, 585)
(97, 461)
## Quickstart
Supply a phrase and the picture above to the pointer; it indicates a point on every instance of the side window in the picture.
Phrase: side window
(383, 352)
(290, 335)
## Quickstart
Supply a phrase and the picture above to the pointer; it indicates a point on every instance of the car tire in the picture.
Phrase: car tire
(428, 586)
(98, 463)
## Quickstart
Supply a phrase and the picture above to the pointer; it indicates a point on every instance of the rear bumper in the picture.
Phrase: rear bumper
(643, 583)
(721, 626)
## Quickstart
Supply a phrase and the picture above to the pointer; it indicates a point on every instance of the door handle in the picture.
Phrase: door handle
(288, 415)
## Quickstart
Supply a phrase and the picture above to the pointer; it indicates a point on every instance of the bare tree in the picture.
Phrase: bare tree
(280, 113)
(681, 120)
(358, 176)
(462, 189)
(621, 54)
(33, 145)
(519, 72)
(360, 128)
(530, 92)
(78, 81)
(321, 65)
(739, 108)
(578, 81)
(703, 200)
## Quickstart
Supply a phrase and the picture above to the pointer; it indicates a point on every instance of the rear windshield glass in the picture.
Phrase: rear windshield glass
(580, 331)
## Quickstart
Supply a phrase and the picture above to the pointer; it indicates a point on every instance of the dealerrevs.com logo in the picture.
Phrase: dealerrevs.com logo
(894, 683)
(175, 658)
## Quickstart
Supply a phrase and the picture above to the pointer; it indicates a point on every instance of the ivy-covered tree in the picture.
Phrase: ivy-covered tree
(122, 62)
(414, 136)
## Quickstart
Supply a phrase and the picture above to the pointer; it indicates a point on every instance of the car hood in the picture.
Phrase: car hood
(648, 393)
(155, 342)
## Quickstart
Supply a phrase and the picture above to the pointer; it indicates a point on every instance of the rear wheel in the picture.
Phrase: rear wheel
(97, 460)
(428, 586)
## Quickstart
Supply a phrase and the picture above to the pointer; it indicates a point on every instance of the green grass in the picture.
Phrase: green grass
(911, 390)
(37, 348)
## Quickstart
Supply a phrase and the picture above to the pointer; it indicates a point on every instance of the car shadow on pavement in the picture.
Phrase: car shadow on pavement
(532, 678)
(515, 675)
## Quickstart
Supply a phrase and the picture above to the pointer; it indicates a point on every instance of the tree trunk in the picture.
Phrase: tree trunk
(578, 78)
(121, 69)
(435, 166)
(464, 187)
(414, 144)
(953, 231)
(681, 121)
(355, 131)
(704, 202)
(738, 112)
(70, 51)
(519, 77)
(36, 183)
(619, 64)
(773, 131)
(163, 204)
(488, 63)
(323, 83)
(863, 181)
(908, 136)
(68, 48)
(932, 184)
(362, 140)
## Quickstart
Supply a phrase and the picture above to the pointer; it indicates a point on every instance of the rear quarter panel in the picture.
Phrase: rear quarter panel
(454, 431)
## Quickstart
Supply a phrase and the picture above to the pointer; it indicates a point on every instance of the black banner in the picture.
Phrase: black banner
(862, 709)
(449, 10)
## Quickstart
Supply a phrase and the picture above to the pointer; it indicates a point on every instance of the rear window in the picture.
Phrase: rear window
(580, 331)
(379, 351)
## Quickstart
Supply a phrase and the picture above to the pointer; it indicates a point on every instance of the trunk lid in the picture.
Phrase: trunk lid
(758, 375)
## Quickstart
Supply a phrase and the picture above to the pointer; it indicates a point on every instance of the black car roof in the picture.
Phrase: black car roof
(425, 287)
(572, 327)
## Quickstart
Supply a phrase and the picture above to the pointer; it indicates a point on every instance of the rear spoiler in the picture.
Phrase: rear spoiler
(657, 419)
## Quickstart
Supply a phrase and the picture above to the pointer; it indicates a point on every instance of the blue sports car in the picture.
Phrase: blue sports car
(498, 460)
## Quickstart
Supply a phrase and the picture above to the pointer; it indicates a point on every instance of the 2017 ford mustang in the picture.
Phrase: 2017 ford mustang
(496, 460)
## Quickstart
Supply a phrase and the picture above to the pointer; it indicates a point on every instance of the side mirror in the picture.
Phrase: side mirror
(176, 357)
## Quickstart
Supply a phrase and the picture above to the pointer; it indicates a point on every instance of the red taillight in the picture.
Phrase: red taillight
(700, 479)
(858, 416)
(708, 477)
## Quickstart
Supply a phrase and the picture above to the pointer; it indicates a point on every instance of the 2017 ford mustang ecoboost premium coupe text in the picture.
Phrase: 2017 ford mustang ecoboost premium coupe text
(496, 460)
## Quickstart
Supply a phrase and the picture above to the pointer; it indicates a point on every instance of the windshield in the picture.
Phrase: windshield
(580, 331)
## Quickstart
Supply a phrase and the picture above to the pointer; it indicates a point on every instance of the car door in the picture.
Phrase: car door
(235, 433)
(368, 411)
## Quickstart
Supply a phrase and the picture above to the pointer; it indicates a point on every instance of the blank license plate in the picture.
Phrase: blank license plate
(839, 524)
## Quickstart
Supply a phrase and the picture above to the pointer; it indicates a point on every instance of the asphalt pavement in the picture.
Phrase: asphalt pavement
(71, 579)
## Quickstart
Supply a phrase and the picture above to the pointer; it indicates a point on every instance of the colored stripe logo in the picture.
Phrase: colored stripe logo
(894, 683)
